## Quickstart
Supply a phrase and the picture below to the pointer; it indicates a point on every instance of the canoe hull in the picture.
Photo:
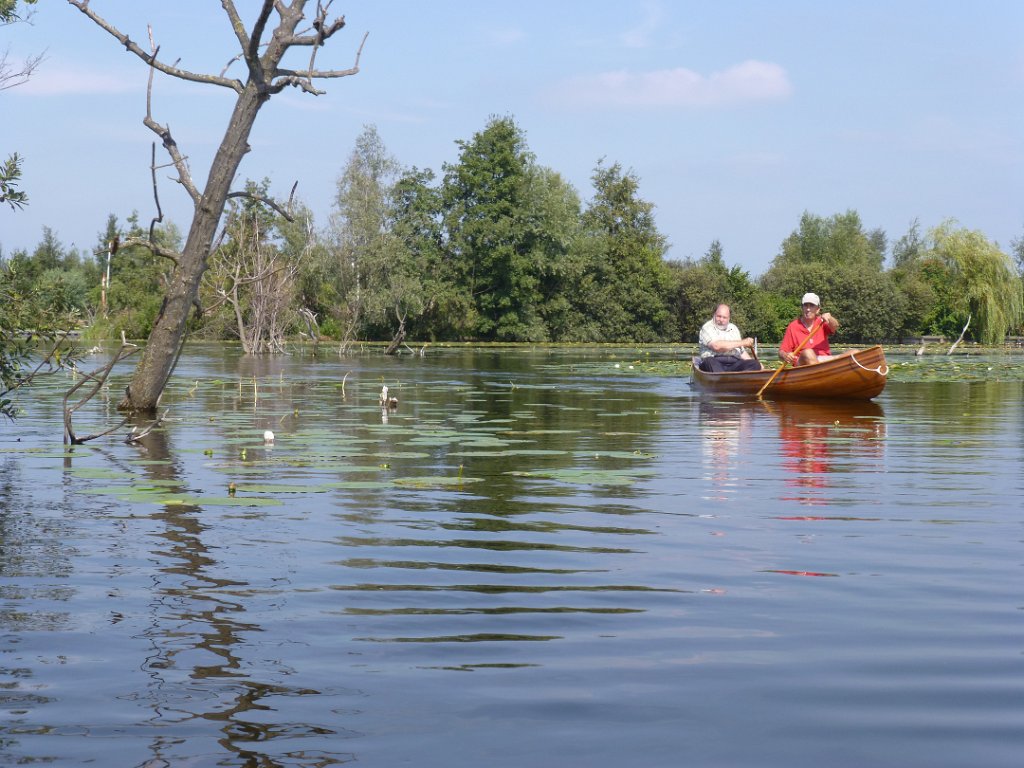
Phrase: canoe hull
(855, 375)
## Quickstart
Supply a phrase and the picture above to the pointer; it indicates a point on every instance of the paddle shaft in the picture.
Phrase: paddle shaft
(796, 351)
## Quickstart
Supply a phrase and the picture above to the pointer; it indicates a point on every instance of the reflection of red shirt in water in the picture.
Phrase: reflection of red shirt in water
(796, 333)
(806, 457)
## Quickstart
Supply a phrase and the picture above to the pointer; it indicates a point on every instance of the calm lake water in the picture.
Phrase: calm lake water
(549, 558)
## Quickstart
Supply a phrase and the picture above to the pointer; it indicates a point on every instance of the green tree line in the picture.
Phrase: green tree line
(498, 247)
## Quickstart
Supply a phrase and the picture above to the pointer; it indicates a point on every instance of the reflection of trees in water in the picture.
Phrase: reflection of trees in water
(188, 616)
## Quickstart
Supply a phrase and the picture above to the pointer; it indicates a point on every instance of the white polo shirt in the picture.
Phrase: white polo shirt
(711, 332)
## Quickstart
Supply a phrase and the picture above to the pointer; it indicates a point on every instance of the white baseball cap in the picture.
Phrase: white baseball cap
(811, 298)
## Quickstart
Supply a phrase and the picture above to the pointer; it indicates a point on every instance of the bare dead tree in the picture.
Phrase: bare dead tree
(257, 280)
(399, 337)
(266, 76)
(312, 326)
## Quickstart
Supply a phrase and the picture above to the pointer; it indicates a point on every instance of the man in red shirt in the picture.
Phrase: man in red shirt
(812, 322)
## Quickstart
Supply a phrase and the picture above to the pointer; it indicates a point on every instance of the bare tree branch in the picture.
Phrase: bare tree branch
(257, 31)
(303, 78)
(135, 436)
(270, 203)
(48, 361)
(236, 23)
(12, 75)
(155, 248)
(318, 24)
(180, 163)
(156, 195)
(962, 333)
(150, 58)
(99, 379)
(322, 30)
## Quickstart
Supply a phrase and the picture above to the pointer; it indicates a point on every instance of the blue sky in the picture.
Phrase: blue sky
(737, 116)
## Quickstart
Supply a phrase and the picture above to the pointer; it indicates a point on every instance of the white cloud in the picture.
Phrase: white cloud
(744, 83)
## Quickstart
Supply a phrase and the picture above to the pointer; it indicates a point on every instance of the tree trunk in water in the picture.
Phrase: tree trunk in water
(396, 342)
(168, 334)
(264, 79)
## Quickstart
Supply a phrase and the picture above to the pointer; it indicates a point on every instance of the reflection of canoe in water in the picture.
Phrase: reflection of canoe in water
(854, 375)
(832, 412)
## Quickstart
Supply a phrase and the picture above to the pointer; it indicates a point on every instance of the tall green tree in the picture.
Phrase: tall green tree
(630, 290)
(699, 286)
(555, 220)
(916, 285)
(138, 278)
(365, 251)
(842, 262)
(983, 283)
(1017, 246)
(839, 240)
(492, 237)
(704, 284)
(416, 221)
(909, 247)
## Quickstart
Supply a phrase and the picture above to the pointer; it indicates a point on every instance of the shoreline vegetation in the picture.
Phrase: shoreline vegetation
(498, 251)
(502, 249)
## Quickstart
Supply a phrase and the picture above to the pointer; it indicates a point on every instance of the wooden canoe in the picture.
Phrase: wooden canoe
(854, 375)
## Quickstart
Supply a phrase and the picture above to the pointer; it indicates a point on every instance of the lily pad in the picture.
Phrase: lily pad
(101, 473)
(279, 488)
(587, 476)
(436, 482)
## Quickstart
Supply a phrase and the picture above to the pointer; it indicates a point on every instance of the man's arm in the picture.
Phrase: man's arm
(720, 346)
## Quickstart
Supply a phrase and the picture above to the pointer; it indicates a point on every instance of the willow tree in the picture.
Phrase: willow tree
(983, 282)
(266, 74)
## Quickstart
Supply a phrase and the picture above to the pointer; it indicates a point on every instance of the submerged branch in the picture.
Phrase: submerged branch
(98, 378)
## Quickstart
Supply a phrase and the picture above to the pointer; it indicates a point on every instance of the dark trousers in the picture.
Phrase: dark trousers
(726, 363)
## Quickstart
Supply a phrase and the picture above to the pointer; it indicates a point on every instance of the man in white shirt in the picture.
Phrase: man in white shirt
(721, 346)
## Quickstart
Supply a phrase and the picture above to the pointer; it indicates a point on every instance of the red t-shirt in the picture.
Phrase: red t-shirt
(796, 333)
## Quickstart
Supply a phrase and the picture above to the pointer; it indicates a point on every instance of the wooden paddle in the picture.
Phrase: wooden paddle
(796, 352)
